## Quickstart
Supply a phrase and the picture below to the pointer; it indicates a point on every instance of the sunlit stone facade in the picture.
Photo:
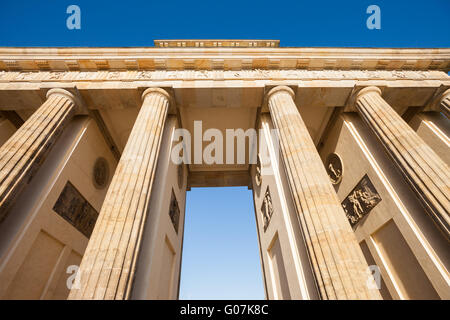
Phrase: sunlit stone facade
(351, 191)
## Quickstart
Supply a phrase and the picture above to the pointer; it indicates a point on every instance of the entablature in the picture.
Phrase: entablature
(233, 89)
(176, 57)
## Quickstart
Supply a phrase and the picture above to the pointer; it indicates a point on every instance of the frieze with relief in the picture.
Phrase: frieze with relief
(133, 75)
(361, 200)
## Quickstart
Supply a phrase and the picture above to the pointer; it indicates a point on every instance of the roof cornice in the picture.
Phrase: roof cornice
(236, 58)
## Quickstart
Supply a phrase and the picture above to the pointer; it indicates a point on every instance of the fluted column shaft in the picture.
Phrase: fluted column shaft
(25, 151)
(336, 258)
(108, 265)
(422, 168)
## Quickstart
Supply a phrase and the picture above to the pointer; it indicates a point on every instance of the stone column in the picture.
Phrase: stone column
(445, 103)
(22, 155)
(338, 264)
(426, 173)
(108, 266)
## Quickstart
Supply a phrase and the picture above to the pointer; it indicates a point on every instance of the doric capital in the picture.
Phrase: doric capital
(444, 103)
(367, 90)
(444, 96)
(63, 92)
(440, 102)
(280, 89)
(76, 99)
(149, 92)
(357, 93)
(160, 91)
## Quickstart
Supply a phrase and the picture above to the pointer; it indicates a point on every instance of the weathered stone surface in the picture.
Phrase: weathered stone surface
(337, 261)
(108, 266)
(307, 249)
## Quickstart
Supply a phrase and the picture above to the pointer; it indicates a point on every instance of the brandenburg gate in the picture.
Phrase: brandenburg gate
(346, 151)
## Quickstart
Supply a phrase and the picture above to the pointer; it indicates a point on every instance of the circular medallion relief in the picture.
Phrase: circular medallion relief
(100, 175)
(180, 172)
(258, 177)
(334, 168)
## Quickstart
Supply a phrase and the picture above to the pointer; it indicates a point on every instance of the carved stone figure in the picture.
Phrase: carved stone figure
(144, 75)
(25, 75)
(363, 198)
(75, 209)
(100, 174)
(174, 211)
(56, 75)
(112, 75)
(258, 177)
(267, 209)
(334, 168)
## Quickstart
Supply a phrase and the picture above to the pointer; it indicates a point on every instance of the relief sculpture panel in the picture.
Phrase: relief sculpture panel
(334, 168)
(174, 212)
(361, 200)
(267, 209)
(75, 209)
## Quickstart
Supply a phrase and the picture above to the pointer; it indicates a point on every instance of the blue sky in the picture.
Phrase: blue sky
(296, 23)
(220, 250)
(221, 257)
